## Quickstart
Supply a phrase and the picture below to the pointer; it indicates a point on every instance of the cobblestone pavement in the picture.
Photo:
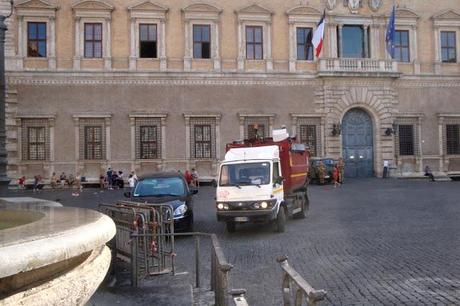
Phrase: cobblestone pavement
(371, 242)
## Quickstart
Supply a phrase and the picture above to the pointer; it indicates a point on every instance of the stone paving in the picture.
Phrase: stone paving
(371, 242)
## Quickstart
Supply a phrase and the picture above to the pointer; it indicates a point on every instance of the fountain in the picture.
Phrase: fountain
(50, 254)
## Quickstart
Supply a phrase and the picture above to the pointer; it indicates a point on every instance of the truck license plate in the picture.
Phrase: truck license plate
(241, 219)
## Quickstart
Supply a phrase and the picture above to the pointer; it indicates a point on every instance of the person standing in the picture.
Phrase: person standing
(110, 178)
(54, 181)
(335, 176)
(195, 181)
(131, 183)
(385, 168)
(341, 167)
(321, 172)
(429, 173)
(188, 177)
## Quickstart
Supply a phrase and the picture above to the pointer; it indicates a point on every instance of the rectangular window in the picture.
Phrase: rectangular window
(148, 40)
(36, 39)
(308, 137)
(36, 143)
(352, 41)
(304, 46)
(406, 139)
(254, 43)
(148, 142)
(201, 41)
(402, 46)
(449, 46)
(453, 138)
(203, 141)
(93, 142)
(256, 131)
(93, 40)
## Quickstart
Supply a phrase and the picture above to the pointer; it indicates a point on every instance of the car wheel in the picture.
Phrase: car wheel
(231, 226)
(281, 220)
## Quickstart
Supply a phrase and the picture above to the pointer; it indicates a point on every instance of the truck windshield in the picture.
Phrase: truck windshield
(245, 174)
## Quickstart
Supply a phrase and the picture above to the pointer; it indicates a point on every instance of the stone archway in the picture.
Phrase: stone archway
(358, 143)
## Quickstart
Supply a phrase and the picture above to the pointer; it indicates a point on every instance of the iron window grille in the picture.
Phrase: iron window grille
(406, 139)
(254, 43)
(148, 40)
(36, 39)
(453, 139)
(308, 137)
(449, 46)
(202, 136)
(36, 143)
(304, 45)
(93, 40)
(262, 124)
(201, 41)
(148, 142)
(402, 46)
(256, 128)
(93, 142)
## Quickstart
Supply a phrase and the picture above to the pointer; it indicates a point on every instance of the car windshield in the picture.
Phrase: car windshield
(160, 186)
(245, 174)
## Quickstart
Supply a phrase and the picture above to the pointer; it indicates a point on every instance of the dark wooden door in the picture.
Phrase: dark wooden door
(357, 138)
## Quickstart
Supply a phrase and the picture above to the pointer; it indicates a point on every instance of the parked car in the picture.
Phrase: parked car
(167, 188)
(314, 163)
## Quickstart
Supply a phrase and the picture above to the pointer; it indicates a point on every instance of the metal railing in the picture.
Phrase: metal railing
(296, 290)
(145, 238)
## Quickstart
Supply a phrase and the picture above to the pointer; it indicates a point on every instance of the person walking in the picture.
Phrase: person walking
(336, 176)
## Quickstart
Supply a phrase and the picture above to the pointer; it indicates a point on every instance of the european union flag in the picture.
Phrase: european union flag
(390, 36)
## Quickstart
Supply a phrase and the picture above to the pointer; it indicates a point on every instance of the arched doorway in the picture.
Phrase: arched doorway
(357, 141)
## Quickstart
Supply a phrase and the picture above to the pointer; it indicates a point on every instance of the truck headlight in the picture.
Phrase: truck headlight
(222, 206)
(180, 210)
(263, 205)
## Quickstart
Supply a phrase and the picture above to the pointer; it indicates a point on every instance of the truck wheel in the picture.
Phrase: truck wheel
(305, 207)
(300, 202)
(280, 220)
(231, 227)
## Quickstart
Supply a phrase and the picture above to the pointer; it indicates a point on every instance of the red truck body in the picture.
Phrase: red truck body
(294, 163)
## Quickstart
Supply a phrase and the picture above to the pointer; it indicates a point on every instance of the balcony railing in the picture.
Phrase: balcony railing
(357, 65)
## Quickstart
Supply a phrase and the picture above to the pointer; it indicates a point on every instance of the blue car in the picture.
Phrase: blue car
(167, 188)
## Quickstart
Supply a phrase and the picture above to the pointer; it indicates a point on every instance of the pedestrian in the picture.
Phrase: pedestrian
(188, 177)
(336, 176)
(195, 178)
(341, 166)
(110, 178)
(37, 180)
(102, 181)
(385, 168)
(63, 179)
(321, 172)
(133, 173)
(22, 182)
(131, 183)
(429, 173)
(54, 181)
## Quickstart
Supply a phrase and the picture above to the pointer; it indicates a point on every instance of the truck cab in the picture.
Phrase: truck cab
(251, 186)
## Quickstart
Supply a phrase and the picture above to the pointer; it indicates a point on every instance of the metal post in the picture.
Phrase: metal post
(197, 260)
(134, 272)
(4, 180)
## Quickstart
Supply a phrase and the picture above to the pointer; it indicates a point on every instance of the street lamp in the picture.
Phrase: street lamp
(4, 180)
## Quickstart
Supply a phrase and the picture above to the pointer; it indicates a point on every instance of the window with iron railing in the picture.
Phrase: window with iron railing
(93, 142)
(453, 139)
(256, 131)
(308, 137)
(148, 142)
(203, 141)
(406, 139)
(36, 143)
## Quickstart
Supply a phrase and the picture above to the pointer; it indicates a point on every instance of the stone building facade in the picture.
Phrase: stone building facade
(163, 85)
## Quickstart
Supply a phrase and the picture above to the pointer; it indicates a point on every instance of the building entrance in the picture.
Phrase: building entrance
(357, 141)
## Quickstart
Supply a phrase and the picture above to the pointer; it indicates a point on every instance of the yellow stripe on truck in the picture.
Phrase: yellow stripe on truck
(299, 174)
(278, 190)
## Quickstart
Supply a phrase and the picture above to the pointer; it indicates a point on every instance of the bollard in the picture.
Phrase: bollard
(197, 260)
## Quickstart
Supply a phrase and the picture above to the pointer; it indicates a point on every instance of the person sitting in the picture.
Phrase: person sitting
(70, 180)
(63, 179)
(37, 182)
(54, 181)
(21, 182)
(429, 173)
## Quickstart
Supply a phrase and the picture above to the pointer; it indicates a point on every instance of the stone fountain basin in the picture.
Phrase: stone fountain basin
(45, 247)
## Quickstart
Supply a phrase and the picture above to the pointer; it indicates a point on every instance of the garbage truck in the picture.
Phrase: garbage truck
(263, 180)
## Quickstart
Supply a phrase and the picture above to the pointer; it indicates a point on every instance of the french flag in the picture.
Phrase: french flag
(318, 36)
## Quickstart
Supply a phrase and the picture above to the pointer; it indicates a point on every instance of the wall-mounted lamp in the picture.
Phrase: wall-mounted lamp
(392, 130)
(336, 129)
